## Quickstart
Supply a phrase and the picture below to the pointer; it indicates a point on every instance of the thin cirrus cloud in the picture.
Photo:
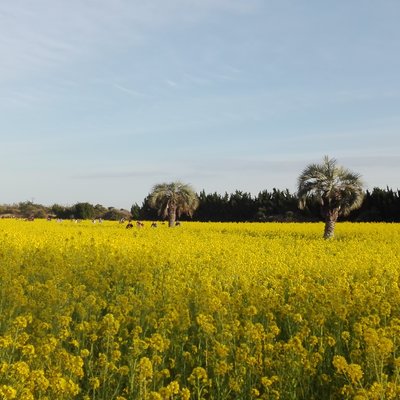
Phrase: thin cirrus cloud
(120, 174)
(129, 91)
(44, 33)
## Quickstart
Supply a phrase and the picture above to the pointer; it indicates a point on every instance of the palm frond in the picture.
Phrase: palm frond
(175, 195)
(334, 186)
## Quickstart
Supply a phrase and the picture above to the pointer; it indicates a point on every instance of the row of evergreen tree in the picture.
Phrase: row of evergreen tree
(379, 205)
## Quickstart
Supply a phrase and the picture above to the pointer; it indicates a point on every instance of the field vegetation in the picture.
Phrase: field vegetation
(201, 311)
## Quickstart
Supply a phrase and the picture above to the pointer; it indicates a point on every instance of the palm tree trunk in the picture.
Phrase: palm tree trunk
(171, 217)
(330, 222)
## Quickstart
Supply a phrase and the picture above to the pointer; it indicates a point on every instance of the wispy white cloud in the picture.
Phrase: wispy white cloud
(44, 33)
(121, 174)
(171, 83)
(129, 91)
(20, 99)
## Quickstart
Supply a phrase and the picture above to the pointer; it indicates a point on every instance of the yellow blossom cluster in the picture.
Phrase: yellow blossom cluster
(201, 311)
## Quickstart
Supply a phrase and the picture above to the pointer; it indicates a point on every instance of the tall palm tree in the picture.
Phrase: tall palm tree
(173, 199)
(337, 189)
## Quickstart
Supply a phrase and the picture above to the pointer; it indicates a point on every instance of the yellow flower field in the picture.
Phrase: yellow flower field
(204, 311)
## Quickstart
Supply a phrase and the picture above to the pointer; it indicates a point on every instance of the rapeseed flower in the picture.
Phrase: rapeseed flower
(206, 311)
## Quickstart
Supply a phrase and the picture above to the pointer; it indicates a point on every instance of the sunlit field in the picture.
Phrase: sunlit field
(201, 311)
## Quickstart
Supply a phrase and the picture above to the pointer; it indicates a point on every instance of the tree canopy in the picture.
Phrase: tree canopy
(173, 199)
(337, 189)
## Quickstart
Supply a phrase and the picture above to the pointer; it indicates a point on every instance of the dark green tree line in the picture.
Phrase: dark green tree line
(379, 205)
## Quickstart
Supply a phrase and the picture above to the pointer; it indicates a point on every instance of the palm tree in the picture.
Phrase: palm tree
(337, 189)
(173, 199)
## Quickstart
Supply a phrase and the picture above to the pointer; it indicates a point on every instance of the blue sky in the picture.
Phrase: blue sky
(102, 99)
